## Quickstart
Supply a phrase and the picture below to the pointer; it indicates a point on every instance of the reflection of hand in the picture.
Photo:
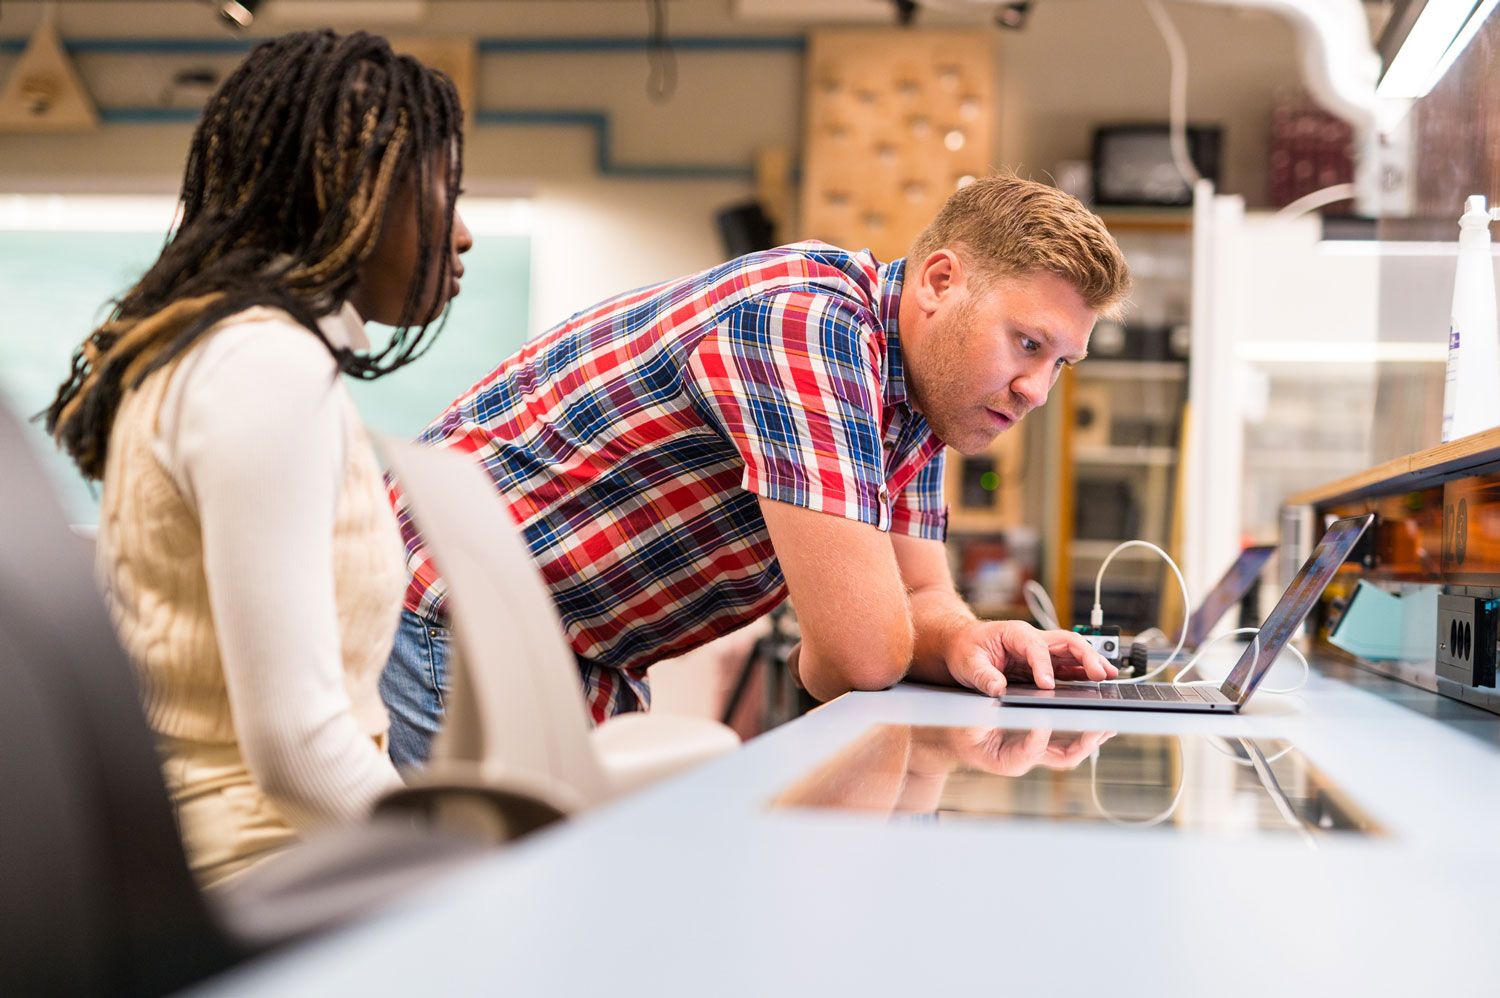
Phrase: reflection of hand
(1016, 753)
(982, 654)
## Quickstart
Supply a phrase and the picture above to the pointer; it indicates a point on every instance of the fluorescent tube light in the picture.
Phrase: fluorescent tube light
(1434, 38)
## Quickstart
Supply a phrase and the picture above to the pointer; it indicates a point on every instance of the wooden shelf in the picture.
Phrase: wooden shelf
(1404, 473)
(1141, 456)
(1099, 550)
(1133, 370)
(1147, 219)
(974, 524)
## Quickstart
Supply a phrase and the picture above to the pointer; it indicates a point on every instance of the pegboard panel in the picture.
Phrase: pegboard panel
(455, 56)
(896, 121)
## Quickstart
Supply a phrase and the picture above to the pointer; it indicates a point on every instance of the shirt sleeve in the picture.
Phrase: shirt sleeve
(793, 380)
(261, 449)
(920, 509)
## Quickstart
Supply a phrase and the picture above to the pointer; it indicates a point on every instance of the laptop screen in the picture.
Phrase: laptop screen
(1227, 592)
(1294, 606)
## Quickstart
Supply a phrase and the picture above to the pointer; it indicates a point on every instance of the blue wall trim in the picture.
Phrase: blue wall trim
(145, 46)
(685, 43)
(597, 121)
(486, 46)
(604, 160)
(148, 115)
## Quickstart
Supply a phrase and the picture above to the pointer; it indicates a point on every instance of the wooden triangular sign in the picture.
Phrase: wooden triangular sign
(44, 93)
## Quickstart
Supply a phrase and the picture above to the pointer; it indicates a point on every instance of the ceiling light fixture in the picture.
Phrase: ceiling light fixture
(237, 13)
(1423, 39)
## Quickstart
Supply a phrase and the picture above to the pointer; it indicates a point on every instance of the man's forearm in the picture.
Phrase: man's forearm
(938, 615)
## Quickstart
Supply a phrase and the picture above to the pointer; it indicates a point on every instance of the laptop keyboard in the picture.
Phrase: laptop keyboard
(1160, 692)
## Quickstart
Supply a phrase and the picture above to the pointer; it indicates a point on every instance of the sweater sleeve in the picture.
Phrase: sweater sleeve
(259, 447)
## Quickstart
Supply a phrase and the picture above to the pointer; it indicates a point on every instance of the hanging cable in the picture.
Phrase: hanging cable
(661, 81)
(1315, 200)
(1177, 101)
(1040, 605)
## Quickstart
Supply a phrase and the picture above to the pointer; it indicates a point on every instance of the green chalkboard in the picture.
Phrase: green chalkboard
(56, 286)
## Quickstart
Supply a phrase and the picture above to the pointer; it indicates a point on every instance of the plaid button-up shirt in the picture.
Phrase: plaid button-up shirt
(633, 440)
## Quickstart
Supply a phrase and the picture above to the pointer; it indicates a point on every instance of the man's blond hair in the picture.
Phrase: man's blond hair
(1004, 226)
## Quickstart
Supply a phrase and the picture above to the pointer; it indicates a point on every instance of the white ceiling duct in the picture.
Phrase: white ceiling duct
(1340, 67)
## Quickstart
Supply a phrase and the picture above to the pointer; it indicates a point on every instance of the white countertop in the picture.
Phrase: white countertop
(695, 887)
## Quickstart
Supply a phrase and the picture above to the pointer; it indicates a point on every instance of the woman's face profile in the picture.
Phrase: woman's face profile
(387, 274)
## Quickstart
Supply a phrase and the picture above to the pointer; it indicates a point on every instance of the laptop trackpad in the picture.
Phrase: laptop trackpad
(1071, 691)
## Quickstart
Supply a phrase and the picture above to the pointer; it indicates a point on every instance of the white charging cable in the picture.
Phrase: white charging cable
(1042, 608)
(1151, 635)
(1040, 605)
(1096, 615)
(1255, 653)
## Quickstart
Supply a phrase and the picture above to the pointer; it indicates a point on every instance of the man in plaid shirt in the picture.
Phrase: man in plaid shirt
(683, 457)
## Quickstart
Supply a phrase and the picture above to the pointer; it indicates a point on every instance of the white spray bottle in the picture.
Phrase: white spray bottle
(1471, 396)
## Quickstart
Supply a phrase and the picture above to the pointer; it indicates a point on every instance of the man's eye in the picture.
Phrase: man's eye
(1030, 345)
(1061, 363)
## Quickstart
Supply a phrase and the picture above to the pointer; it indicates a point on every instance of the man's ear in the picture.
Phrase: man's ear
(937, 277)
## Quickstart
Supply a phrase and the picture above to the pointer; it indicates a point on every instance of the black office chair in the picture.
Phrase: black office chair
(95, 892)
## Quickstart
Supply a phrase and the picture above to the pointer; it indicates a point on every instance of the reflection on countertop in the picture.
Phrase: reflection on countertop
(1192, 783)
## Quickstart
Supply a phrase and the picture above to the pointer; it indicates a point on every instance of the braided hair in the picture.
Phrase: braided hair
(287, 181)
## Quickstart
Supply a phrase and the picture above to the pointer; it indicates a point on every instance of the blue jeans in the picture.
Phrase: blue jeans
(414, 685)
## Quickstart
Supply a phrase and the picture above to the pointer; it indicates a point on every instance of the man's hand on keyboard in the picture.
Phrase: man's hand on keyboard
(983, 654)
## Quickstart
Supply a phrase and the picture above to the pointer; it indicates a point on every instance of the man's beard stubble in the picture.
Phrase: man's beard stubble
(939, 390)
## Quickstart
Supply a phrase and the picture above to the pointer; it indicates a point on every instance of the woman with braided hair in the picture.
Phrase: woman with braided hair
(250, 554)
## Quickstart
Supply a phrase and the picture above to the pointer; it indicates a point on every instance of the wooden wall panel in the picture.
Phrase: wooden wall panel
(896, 121)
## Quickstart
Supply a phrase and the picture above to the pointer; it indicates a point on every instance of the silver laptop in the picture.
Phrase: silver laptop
(1259, 655)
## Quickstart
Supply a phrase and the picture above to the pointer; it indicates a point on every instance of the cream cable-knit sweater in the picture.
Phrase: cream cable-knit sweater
(254, 564)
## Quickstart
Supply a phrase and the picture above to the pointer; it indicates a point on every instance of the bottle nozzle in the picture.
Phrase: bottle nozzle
(1477, 214)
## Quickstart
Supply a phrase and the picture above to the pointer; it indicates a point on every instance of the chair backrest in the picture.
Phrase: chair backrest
(97, 894)
(516, 707)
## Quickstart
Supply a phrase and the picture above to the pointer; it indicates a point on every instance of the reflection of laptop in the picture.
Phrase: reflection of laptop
(1228, 591)
(1260, 654)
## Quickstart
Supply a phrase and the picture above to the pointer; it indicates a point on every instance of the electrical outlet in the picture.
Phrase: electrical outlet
(1466, 639)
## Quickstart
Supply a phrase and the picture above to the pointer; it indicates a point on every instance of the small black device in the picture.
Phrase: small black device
(745, 228)
(1133, 164)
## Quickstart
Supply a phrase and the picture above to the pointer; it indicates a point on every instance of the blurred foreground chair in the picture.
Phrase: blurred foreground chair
(516, 711)
(95, 892)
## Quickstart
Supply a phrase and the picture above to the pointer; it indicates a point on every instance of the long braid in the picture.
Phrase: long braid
(284, 194)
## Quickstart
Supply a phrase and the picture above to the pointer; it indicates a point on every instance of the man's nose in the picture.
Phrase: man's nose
(1033, 386)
